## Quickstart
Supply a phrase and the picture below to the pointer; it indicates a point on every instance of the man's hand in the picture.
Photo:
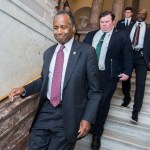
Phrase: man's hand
(84, 128)
(16, 92)
(123, 77)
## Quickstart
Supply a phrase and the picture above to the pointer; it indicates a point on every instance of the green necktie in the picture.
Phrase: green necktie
(99, 45)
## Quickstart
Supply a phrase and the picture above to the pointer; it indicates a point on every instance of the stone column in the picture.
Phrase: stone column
(118, 8)
(94, 19)
(96, 10)
(135, 6)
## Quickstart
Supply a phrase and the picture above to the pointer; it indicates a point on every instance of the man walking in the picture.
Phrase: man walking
(69, 87)
(126, 24)
(114, 52)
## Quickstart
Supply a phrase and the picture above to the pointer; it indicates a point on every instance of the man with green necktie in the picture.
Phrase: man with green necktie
(115, 52)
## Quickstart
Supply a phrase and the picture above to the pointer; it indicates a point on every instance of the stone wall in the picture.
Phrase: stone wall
(15, 121)
(26, 32)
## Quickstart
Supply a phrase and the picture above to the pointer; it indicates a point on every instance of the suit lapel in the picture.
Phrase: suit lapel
(73, 58)
(146, 34)
(113, 37)
(49, 58)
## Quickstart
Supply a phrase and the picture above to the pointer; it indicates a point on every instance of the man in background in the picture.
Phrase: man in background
(126, 24)
(140, 37)
(114, 52)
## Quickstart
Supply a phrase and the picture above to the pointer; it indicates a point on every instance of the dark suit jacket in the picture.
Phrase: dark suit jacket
(119, 49)
(121, 25)
(146, 46)
(81, 89)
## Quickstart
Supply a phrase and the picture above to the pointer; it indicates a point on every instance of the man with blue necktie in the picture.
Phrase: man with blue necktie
(126, 24)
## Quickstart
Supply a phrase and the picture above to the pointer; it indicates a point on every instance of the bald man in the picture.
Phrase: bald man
(141, 61)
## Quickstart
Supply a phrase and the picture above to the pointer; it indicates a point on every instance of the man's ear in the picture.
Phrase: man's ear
(74, 29)
(114, 22)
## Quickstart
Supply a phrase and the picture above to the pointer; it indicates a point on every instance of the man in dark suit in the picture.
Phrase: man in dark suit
(116, 51)
(66, 109)
(126, 24)
(140, 37)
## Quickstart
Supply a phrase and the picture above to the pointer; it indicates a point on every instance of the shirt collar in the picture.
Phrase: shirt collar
(109, 32)
(142, 23)
(129, 19)
(68, 45)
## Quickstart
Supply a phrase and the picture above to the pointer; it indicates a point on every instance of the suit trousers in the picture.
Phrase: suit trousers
(43, 139)
(126, 87)
(141, 73)
(108, 88)
(48, 132)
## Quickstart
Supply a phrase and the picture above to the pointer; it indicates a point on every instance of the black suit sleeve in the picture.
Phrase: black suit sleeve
(94, 93)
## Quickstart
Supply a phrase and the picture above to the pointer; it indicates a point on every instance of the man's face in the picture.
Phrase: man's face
(141, 16)
(62, 28)
(106, 23)
(128, 13)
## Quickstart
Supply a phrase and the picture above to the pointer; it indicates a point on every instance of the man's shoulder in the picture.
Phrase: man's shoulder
(133, 21)
(121, 34)
(83, 45)
(92, 32)
(148, 25)
(50, 48)
(147, 28)
(89, 37)
(121, 21)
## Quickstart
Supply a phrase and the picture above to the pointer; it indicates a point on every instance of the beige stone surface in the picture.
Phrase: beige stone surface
(15, 121)
(25, 35)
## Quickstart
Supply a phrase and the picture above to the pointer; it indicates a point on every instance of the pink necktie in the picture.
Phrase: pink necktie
(57, 76)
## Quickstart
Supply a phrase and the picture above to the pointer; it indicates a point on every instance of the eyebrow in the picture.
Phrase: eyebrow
(142, 13)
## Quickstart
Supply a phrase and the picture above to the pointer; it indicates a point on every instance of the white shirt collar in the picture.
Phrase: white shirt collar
(142, 23)
(68, 45)
(129, 19)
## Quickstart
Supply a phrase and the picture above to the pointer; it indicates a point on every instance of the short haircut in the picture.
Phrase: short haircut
(128, 8)
(106, 13)
(67, 13)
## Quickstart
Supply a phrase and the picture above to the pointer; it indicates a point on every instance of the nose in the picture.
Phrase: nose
(104, 23)
(59, 31)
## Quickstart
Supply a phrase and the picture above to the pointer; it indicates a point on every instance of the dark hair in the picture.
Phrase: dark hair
(128, 8)
(67, 13)
(106, 13)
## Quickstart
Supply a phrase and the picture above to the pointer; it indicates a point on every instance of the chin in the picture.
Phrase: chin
(60, 41)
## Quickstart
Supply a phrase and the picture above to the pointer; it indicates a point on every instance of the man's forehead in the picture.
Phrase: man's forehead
(106, 17)
(143, 11)
(128, 11)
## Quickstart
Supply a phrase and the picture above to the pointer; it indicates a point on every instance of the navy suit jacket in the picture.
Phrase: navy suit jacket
(146, 46)
(121, 25)
(81, 89)
(119, 49)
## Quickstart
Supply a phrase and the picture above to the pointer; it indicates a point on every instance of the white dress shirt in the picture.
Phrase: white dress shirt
(96, 38)
(141, 35)
(66, 51)
(129, 20)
